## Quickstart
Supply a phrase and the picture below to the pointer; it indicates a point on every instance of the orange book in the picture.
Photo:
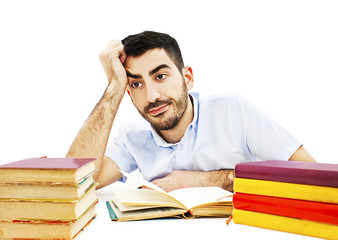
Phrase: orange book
(308, 210)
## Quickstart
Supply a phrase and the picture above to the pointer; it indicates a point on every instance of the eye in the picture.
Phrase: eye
(136, 85)
(161, 76)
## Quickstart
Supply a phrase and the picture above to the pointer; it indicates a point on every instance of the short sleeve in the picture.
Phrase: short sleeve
(265, 138)
(117, 151)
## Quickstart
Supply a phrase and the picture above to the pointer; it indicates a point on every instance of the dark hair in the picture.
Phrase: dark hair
(137, 44)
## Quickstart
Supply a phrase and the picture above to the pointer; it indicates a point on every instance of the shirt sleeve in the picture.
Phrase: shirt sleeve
(265, 139)
(117, 151)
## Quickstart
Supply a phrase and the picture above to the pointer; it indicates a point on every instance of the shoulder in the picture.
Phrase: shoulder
(221, 99)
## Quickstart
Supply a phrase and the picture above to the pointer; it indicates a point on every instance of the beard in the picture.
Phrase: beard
(161, 122)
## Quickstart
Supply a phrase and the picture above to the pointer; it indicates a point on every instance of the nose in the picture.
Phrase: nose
(152, 93)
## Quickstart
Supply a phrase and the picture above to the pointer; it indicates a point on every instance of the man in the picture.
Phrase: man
(188, 141)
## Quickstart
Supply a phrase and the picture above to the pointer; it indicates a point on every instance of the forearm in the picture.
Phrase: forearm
(92, 139)
(221, 178)
(183, 179)
(302, 155)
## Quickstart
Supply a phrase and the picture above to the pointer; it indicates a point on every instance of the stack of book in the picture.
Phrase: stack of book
(289, 196)
(46, 198)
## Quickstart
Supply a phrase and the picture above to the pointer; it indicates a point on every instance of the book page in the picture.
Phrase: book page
(140, 198)
(188, 197)
(143, 182)
(145, 213)
(192, 197)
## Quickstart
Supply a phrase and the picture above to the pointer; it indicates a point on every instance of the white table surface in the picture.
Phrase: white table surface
(207, 228)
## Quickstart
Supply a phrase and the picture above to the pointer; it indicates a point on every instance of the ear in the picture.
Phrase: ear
(189, 77)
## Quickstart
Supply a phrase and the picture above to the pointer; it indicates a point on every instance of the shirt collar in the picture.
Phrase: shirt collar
(192, 126)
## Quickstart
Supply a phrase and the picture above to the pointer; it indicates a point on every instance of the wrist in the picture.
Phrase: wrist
(115, 90)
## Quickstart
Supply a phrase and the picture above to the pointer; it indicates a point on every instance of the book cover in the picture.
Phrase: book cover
(286, 190)
(314, 211)
(311, 173)
(286, 224)
(51, 170)
(48, 163)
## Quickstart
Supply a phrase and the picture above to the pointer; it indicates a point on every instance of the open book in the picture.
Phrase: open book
(139, 204)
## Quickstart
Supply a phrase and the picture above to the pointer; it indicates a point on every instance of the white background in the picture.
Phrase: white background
(282, 55)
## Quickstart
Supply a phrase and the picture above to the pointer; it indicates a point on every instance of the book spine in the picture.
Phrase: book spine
(112, 215)
(286, 190)
(290, 175)
(286, 224)
(314, 211)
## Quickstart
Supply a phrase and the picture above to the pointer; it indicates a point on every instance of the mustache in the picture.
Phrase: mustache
(156, 104)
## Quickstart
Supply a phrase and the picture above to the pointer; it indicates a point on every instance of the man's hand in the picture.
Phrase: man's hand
(112, 59)
(182, 179)
(92, 139)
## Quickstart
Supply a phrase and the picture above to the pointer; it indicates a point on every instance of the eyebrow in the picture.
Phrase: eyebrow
(136, 76)
(155, 70)
(152, 72)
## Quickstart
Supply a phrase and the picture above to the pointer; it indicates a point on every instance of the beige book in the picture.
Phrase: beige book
(45, 191)
(45, 229)
(56, 210)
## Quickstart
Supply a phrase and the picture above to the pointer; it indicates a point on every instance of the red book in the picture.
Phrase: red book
(48, 163)
(314, 211)
(47, 170)
(310, 173)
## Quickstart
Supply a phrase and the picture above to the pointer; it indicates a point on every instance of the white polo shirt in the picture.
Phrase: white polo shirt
(226, 130)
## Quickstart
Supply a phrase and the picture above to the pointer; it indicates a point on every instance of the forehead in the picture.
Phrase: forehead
(148, 61)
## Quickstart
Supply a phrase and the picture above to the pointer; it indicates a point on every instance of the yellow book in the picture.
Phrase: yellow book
(286, 224)
(286, 190)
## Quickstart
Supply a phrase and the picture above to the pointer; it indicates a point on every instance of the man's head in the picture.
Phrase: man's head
(157, 79)
(137, 44)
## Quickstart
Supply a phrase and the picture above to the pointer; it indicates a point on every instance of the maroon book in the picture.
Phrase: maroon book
(54, 170)
(310, 173)
(48, 163)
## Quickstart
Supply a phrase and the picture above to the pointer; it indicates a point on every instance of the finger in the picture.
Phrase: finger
(123, 57)
(116, 51)
(114, 43)
(113, 49)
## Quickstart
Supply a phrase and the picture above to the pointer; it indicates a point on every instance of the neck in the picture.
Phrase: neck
(175, 134)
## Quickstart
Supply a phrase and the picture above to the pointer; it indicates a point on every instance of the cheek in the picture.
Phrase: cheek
(170, 89)
(138, 99)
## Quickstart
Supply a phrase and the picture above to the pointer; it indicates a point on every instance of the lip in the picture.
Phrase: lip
(158, 110)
